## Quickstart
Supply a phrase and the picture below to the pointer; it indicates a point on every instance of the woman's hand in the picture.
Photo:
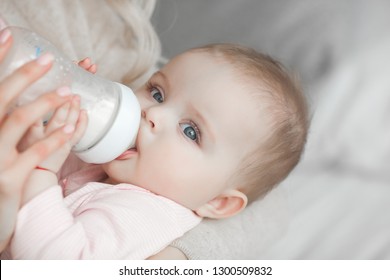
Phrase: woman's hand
(15, 164)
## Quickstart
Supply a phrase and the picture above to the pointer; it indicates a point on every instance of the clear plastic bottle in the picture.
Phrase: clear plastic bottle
(113, 110)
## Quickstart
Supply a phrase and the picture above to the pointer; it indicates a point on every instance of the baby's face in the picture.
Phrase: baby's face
(198, 122)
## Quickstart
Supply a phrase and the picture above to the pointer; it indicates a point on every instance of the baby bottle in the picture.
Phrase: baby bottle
(112, 108)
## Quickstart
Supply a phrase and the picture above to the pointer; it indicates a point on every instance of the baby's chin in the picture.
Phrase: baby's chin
(116, 174)
(107, 168)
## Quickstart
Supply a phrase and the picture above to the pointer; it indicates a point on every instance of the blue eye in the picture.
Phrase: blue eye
(157, 95)
(191, 131)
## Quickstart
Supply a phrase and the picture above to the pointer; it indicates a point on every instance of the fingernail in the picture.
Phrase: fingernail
(64, 91)
(68, 129)
(45, 59)
(5, 34)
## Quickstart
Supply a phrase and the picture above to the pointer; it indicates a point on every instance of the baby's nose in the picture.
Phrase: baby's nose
(148, 120)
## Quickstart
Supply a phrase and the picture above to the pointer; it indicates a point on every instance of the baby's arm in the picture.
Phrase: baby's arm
(69, 115)
(74, 122)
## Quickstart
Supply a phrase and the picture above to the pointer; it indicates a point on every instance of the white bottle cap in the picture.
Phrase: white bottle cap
(122, 134)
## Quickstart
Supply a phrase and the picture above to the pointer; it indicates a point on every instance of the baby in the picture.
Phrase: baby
(221, 125)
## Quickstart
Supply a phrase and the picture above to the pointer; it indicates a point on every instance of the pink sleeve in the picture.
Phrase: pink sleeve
(99, 223)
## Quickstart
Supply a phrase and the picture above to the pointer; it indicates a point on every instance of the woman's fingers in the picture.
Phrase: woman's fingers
(19, 121)
(5, 43)
(33, 134)
(12, 86)
(39, 151)
(15, 175)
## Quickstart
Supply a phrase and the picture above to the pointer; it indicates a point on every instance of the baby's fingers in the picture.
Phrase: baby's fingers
(59, 118)
(74, 111)
(87, 64)
(69, 114)
(42, 149)
(81, 126)
(74, 117)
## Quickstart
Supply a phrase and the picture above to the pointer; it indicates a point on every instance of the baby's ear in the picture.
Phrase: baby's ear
(225, 205)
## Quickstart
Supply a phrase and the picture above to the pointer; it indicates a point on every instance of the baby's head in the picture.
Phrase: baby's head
(280, 101)
(221, 125)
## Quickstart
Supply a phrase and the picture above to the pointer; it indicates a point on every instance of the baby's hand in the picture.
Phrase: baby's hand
(75, 121)
(87, 64)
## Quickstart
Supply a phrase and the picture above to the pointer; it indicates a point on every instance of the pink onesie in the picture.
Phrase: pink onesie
(97, 221)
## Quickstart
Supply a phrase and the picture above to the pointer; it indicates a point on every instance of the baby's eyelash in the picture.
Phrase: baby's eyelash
(150, 87)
